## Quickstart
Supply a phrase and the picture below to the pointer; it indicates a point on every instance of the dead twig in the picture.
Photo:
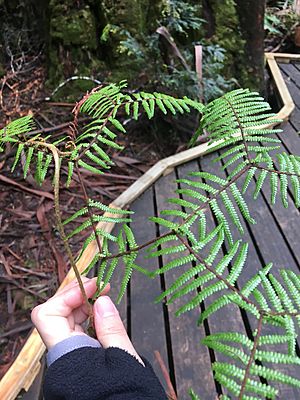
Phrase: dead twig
(171, 392)
(26, 189)
(25, 327)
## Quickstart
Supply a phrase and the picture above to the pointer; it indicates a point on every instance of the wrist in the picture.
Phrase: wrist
(75, 341)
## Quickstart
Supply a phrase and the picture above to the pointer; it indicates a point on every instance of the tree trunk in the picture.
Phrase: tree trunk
(251, 17)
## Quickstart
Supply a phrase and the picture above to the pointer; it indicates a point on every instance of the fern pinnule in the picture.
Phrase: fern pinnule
(128, 259)
(18, 127)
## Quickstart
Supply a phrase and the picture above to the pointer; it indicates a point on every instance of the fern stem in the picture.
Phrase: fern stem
(61, 228)
(275, 171)
(185, 220)
(86, 199)
(252, 355)
(241, 129)
(218, 276)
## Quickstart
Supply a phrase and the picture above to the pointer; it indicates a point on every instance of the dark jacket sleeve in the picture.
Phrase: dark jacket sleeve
(98, 374)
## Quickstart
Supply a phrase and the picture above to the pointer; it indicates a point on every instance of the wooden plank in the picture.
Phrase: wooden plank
(286, 218)
(288, 104)
(290, 138)
(295, 93)
(36, 391)
(287, 70)
(148, 330)
(191, 360)
(288, 57)
(293, 72)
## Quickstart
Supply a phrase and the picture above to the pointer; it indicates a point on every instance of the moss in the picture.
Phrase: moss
(116, 12)
(73, 47)
(72, 26)
(228, 35)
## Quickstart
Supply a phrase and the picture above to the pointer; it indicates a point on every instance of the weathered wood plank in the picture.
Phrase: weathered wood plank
(191, 360)
(36, 391)
(293, 72)
(148, 330)
(286, 218)
(295, 93)
(290, 138)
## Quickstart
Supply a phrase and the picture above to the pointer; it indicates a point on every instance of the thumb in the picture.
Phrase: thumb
(109, 327)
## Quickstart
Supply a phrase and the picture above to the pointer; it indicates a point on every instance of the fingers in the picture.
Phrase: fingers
(57, 318)
(109, 327)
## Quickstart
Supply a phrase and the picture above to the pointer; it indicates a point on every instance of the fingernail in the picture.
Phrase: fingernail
(104, 307)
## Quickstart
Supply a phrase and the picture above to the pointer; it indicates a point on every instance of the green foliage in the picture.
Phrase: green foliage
(91, 148)
(209, 261)
(181, 20)
(280, 23)
(180, 16)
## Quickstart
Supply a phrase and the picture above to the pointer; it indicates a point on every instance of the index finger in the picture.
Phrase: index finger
(64, 302)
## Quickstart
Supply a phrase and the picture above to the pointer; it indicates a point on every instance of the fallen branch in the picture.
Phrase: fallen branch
(40, 193)
(171, 392)
(25, 327)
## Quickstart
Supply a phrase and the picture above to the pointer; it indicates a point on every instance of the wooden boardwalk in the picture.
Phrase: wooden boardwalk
(154, 326)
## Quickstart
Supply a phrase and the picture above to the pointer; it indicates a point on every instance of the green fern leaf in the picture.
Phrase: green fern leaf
(28, 161)
(253, 282)
(17, 156)
(259, 183)
(90, 167)
(241, 204)
(221, 219)
(117, 124)
(164, 222)
(231, 211)
(178, 262)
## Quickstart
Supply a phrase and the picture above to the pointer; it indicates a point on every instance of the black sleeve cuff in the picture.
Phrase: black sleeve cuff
(99, 374)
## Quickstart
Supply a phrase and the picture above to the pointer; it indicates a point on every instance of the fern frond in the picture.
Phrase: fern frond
(238, 347)
(214, 287)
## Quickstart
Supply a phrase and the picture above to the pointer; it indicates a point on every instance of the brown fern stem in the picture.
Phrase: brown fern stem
(90, 213)
(61, 228)
(252, 357)
(197, 210)
(275, 171)
(218, 276)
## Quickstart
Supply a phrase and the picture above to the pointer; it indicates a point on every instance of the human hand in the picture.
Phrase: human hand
(61, 317)
(63, 314)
